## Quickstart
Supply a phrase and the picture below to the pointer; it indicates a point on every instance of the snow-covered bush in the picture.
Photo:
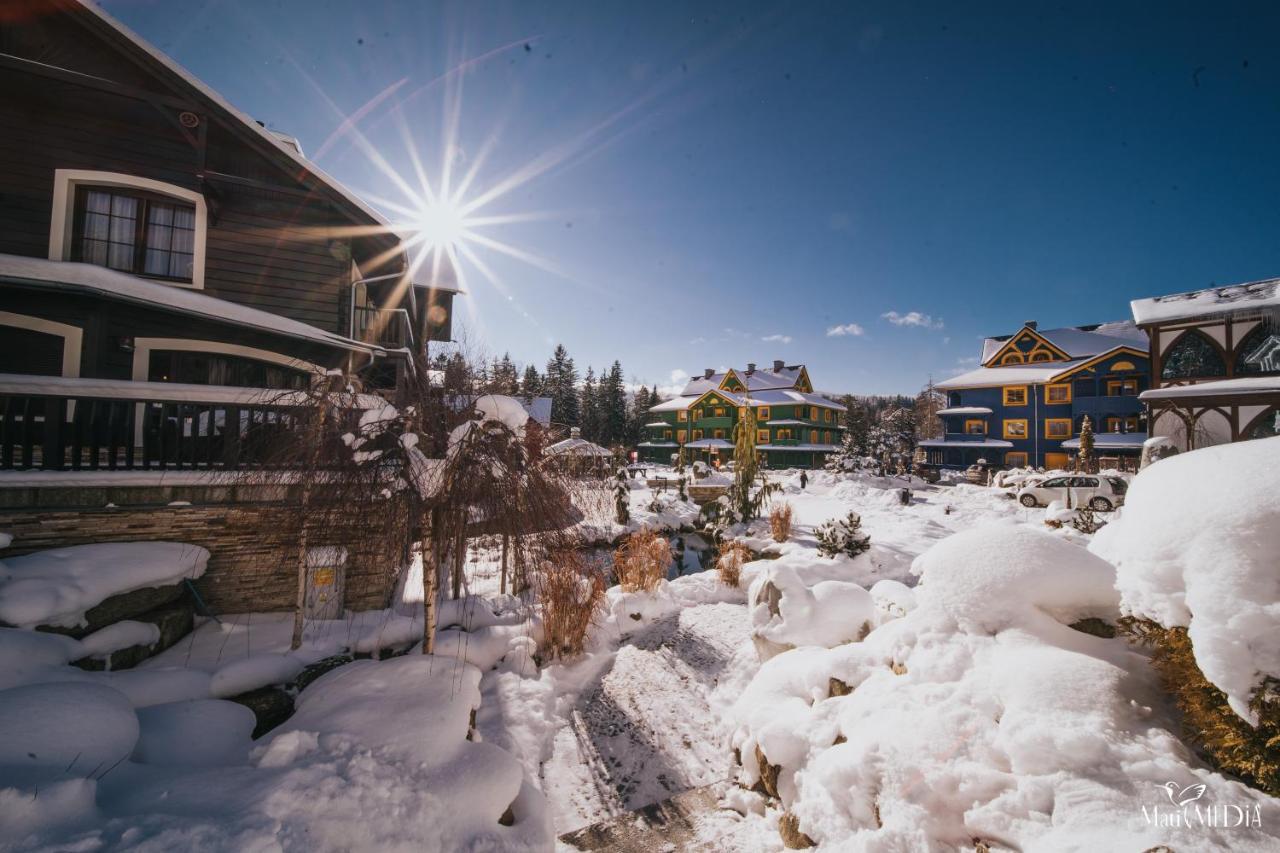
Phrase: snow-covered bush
(786, 612)
(780, 522)
(1195, 551)
(642, 562)
(569, 588)
(730, 560)
(980, 719)
(842, 536)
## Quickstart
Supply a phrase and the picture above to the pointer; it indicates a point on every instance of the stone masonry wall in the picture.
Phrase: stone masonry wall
(247, 571)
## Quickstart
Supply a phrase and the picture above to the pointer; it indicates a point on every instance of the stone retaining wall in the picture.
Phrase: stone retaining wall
(247, 570)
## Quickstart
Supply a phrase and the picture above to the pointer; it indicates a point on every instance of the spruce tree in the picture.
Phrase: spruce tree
(859, 426)
(589, 407)
(1086, 461)
(561, 385)
(613, 406)
(502, 376)
(531, 384)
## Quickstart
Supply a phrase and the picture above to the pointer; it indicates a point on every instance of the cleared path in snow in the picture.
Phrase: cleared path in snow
(652, 724)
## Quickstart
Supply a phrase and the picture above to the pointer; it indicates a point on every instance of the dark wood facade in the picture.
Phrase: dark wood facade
(81, 94)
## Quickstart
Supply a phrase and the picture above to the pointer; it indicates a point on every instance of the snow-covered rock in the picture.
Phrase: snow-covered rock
(1196, 546)
(54, 731)
(56, 587)
(196, 733)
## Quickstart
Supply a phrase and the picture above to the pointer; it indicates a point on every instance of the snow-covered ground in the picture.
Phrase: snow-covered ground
(928, 694)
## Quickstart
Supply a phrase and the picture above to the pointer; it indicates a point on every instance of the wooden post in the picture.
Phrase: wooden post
(506, 544)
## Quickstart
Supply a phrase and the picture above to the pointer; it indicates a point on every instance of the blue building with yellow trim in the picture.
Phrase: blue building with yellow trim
(1025, 405)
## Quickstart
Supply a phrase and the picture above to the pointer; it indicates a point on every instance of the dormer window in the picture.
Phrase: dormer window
(134, 232)
(136, 225)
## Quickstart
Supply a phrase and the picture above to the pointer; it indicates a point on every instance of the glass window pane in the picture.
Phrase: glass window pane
(183, 241)
(184, 217)
(120, 257)
(125, 206)
(156, 263)
(122, 230)
(96, 226)
(160, 214)
(97, 202)
(94, 252)
(158, 237)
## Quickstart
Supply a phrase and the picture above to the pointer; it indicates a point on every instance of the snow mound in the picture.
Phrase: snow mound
(979, 717)
(24, 655)
(198, 733)
(1000, 575)
(56, 587)
(58, 730)
(241, 676)
(788, 613)
(1196, 547)
(120, 635)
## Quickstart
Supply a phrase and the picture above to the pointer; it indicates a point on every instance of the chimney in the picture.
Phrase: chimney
(708, 373)
(575, 432)
(751, 367)
(777, 365)
(1030, 324)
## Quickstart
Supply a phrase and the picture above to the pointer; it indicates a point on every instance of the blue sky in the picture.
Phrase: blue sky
(728, 182)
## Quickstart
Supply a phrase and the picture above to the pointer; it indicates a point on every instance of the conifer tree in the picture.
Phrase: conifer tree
(745, 463)
(531, 384)
(613, 406)
(561, 385)
(589, 407)
(1085, 459)
(502, 376)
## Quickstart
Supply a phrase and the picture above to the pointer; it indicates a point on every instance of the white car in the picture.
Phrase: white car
(1098, 492)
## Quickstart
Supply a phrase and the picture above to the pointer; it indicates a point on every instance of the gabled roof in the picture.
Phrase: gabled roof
(758, 380)
(1077, 341)
(289, 151)
(1213, 300)
(1032, 374)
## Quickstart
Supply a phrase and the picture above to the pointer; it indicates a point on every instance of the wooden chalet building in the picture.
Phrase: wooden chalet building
(1025, 405)
(796, 428)
(1215, 362)
(159, 246)
(169, 270)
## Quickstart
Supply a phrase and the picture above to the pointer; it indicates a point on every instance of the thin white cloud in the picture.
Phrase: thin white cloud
(852, 329)
(698, 340)
(912, 318)
(678, 379)
(776, 339)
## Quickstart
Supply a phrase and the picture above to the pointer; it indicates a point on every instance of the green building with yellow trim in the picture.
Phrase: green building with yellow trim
(795, 428)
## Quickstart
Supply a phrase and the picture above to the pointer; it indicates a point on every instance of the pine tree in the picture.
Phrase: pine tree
(502, 376)
(639, 415)
(589, 407)
(613, 406)
(859, 427)
(561, 385)
(531, 384)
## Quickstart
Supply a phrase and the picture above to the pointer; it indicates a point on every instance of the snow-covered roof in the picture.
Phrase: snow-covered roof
(1261, 385)
(20, 384)
(68, 275)
(657, 424)
(965, 410)
(946, 442)
(539, 409)
(706, 443)
(1111, 441)
(822, 447)
(787, 422)
(1213, 300)
(785, 396)
(656, 444)
(758, 380)
(1079, 341)
(1014, 374)
(577, 447)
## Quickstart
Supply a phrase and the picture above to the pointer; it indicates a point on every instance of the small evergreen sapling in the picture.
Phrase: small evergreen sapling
(842, 536)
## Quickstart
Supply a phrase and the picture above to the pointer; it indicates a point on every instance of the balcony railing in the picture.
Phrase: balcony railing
(387, 327)
(68, 424)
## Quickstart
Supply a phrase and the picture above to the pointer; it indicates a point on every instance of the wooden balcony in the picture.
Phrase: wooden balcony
(69, 424)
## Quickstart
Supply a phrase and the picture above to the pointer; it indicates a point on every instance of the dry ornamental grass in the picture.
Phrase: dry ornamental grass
(780, 522)
(641, 563)
(570, 594)
(733, 555)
